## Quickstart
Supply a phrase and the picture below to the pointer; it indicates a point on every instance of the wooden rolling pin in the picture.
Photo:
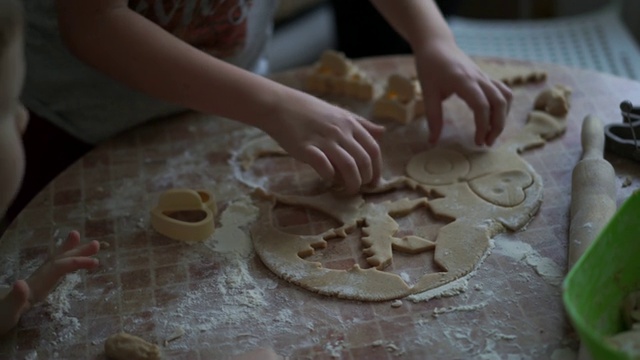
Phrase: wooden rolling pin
(593, 191)
(593, 196)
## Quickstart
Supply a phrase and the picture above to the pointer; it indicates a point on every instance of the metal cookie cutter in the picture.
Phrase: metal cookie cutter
(185, 214)
(624, 139)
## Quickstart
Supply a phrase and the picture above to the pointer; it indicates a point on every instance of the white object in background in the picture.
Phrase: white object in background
(597, 40)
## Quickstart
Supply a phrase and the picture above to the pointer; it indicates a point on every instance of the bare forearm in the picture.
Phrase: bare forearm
(417, 21)
(138, 53)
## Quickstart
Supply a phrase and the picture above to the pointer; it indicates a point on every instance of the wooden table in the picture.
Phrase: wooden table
(154, 287)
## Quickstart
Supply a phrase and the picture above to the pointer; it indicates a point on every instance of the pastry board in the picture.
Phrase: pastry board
(211, 303)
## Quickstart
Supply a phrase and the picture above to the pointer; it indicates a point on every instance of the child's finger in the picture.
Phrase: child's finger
(433, 112)
(62, 267)
(73, 240)
(319, 162)
(88, 249)
(346, 167)
(369, 144)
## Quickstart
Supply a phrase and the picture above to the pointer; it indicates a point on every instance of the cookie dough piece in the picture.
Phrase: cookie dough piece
(123, 346)
(402, 100)
(554, 100)
(512, 75)
(334, 74)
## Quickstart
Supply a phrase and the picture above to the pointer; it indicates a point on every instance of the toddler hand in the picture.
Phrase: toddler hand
(70, 257)
(443, 70)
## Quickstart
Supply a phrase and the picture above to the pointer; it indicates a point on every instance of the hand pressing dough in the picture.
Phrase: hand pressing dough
(123, 346)
(482, 193)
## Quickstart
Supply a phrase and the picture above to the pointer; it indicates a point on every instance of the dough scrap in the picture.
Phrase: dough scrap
(554, 101)
(123, 346)
(512, 75)
(402, 100)
(334, 74)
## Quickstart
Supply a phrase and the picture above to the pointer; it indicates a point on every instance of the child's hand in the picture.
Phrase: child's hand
(70, 257)
(339, 145)
(443, 70)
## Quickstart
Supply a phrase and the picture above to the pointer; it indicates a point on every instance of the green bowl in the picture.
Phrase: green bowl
(596, 285)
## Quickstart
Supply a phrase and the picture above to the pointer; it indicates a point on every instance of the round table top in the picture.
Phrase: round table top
(198, 303)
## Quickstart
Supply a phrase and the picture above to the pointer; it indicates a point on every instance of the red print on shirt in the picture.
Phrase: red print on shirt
(218, 27)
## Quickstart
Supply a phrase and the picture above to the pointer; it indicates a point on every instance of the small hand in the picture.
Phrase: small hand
(443, 70)
(70, 257)
(339, 145)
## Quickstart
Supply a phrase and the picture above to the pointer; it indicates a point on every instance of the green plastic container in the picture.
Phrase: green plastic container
(596, 285)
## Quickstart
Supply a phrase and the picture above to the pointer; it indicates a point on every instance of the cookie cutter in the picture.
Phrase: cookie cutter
(185, 214)
(624, 139)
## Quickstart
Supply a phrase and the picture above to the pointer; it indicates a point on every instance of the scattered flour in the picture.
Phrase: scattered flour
(453, 288)
(520, 251)
(230, 238)
(438, 311)
(335, 348)
(59, 306)
(389, 346)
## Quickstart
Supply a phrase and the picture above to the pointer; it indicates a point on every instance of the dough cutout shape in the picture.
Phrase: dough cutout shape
(481, 193)
(334, 74)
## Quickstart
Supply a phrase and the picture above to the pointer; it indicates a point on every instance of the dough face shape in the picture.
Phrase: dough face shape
(480, 193)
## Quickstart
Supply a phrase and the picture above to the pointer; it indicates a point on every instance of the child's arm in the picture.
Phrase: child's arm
(109, 36)
(444, 69)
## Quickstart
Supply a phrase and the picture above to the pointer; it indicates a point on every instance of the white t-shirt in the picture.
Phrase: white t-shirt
(93, 107)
